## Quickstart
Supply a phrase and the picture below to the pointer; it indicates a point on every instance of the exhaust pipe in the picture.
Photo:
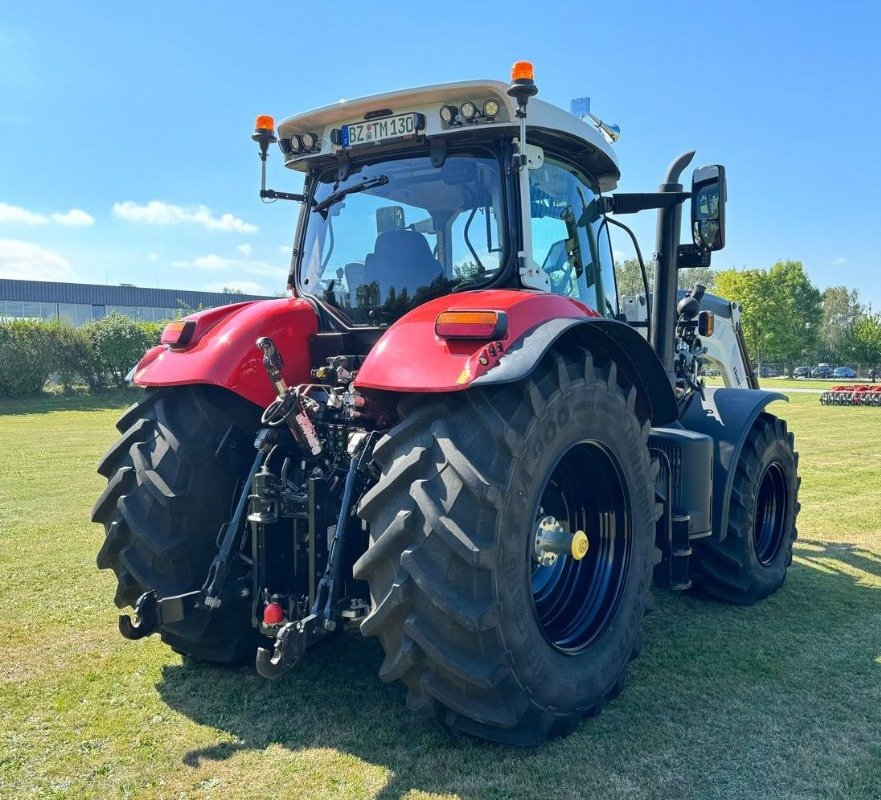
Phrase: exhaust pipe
(663, 333)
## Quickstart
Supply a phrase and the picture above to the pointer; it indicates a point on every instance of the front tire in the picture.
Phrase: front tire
(172, 479)
(456, 604)
(750, 563)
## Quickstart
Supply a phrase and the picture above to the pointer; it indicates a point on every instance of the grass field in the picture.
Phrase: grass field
(796, 383)
(779, 700)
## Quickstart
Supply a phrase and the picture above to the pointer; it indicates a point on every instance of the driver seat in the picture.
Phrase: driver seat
(401, 259)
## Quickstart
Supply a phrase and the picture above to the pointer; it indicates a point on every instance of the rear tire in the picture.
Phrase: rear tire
(452, 523)
(167, 496)
(750, 563)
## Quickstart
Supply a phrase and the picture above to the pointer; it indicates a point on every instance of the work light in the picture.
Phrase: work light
(448, 114)
(469, 110)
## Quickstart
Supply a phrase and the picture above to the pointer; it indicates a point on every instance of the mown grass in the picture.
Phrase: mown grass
(798, 383)
(779, 700)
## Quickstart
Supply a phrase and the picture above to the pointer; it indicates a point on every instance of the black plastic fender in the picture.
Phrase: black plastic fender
(726, 416)
(633, 355)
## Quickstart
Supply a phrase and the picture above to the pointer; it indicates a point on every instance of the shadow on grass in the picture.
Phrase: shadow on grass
(78, 401)
(819, 554)
(713, 679)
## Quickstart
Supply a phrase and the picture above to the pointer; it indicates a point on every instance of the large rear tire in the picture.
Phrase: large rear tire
(750, 563)
(171, 485)
(469, 623)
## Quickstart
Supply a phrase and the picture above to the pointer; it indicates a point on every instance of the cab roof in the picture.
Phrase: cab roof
(548, 125)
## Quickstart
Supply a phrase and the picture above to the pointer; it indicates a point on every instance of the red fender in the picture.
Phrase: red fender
(222, 351)
(410, 357)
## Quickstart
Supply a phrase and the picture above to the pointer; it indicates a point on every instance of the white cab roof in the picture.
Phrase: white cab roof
(542, 118)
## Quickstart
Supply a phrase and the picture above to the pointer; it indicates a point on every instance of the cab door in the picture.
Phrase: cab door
(570, 239)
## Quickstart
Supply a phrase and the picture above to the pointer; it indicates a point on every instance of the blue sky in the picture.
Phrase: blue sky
(108, 107)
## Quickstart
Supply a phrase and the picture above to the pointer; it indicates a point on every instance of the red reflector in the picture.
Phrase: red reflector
(471, 325)
(178, 333)
(273, 614)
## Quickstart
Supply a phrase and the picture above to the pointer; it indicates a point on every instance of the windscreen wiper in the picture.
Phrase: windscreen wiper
(335, 197)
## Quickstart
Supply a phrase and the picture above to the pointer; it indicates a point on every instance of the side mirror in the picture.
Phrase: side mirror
(708, 196)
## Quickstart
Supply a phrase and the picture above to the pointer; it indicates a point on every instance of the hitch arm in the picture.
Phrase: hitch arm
(220, 566)
(330, 586)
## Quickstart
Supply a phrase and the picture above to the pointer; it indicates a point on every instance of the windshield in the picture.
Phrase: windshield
(397, 233)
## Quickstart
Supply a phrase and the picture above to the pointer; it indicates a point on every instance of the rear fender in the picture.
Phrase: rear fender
(410, 357)
(224, 353)
(726, 416)
(634, 357)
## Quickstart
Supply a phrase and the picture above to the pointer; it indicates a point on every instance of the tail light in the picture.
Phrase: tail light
(178, 333)
(471, 325)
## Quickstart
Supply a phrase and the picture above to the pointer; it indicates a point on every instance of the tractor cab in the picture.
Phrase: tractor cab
(421, 193)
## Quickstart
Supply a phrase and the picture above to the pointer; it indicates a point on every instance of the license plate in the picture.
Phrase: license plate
(376, 130)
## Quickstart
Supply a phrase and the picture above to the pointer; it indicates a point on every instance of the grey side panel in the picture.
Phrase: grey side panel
(635, 358)
(726, 416)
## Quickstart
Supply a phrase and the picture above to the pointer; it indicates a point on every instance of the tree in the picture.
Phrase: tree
(865, 342)
(751, 289)
(797, 305)
(841, 310)
(629, 277)
(781, 310)
(703, 275)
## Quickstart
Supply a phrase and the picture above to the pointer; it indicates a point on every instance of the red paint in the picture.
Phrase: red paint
(410, 357)
(222, 350)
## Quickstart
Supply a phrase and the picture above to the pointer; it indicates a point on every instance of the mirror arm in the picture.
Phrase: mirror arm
(630, 203)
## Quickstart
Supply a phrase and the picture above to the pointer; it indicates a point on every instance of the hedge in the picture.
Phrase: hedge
(99, 354)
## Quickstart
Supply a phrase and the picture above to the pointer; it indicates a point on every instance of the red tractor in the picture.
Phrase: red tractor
(450, 434)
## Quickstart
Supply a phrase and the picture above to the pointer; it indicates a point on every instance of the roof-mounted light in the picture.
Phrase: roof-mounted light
(491, 109)
(264, 123)
(264, 135)
(448, 114)
(469, 111)
(309, 140)
(522, 71)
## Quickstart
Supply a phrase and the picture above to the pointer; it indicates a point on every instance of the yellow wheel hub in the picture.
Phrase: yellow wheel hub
(580, 545)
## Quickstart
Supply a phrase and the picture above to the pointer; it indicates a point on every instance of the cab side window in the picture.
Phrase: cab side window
(570, 240)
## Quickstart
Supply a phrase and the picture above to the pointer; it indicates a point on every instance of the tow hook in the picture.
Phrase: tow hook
(146, 619)
(551, 540)
(291, 644)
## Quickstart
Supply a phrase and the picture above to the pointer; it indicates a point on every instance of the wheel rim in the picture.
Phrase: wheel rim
(771, 511)
(575, 601)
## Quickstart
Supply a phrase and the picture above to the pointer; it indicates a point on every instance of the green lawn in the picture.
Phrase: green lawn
(797, 383)
(776, 701)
